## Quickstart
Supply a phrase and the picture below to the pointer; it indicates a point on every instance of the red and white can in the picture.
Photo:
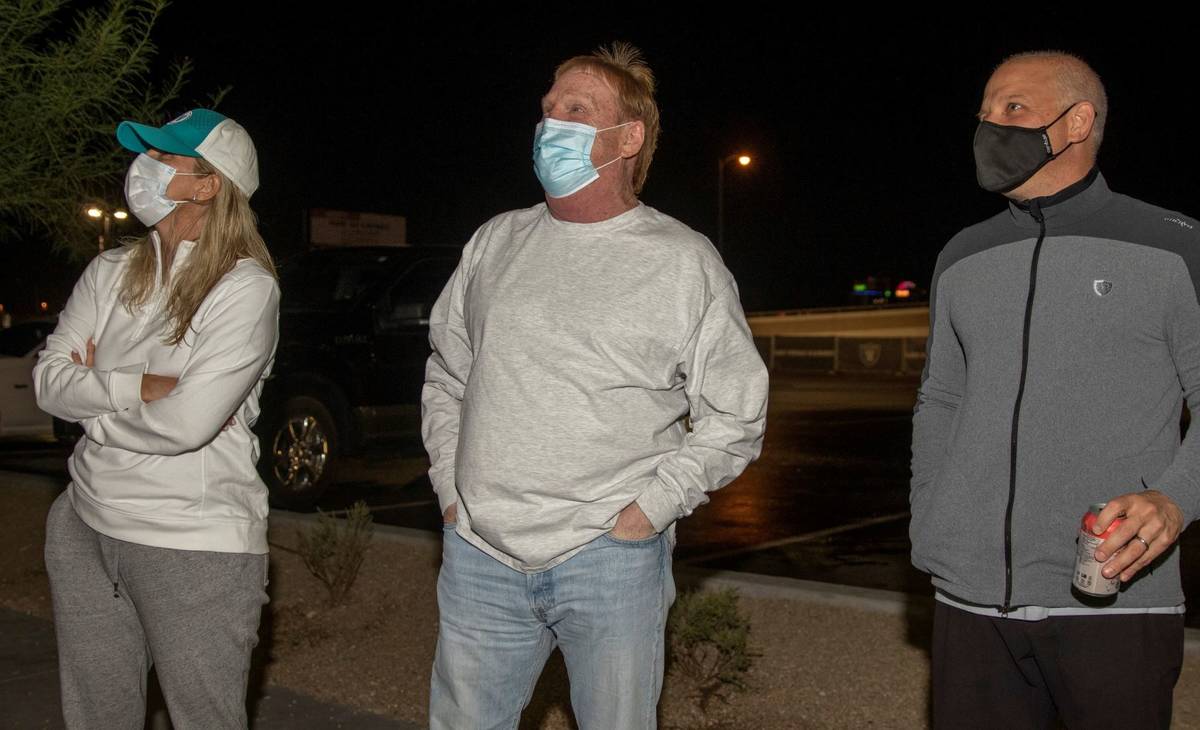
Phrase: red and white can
(1088, 579)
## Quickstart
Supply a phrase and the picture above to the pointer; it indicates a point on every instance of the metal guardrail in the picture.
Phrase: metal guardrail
(860, 309)
(843, 354)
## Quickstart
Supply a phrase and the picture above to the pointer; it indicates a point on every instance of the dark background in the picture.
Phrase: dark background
(860, 125)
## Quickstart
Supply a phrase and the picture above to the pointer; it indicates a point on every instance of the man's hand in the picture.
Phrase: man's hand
(1152, 524)
(632, 524)
(156, 386)
(450, 516)
(90, 360)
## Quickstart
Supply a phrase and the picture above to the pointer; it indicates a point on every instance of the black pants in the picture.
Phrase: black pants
(1093, 672)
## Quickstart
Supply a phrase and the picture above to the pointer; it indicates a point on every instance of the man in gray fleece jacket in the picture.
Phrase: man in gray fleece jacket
(568, 348)
(1064, 339)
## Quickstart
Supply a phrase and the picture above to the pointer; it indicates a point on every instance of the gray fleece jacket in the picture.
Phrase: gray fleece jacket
(1058, 364)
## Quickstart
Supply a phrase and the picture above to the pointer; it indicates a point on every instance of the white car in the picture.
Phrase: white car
(19, 347)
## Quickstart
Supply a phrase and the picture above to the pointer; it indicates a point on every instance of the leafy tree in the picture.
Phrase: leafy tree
(68, 76)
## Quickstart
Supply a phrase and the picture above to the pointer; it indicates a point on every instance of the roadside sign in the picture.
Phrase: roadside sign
(349, 228)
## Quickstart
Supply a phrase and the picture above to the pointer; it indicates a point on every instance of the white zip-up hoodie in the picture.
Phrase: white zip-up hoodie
(164, 473)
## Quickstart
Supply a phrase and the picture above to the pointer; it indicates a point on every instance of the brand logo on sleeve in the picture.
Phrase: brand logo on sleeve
(1101, 287)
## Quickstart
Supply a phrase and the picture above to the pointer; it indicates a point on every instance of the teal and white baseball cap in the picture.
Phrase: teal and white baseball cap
(203, 133)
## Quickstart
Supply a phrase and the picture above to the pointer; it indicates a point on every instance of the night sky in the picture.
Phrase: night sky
(860, 127)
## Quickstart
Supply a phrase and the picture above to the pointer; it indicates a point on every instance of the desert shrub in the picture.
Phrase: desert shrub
(710, 643)
(333, 549)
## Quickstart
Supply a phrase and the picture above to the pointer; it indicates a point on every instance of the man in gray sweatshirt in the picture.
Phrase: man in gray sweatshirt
(592, 378)
(1064, 339)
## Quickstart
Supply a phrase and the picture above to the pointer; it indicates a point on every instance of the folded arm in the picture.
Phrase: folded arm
(71, 390)
(234, 344)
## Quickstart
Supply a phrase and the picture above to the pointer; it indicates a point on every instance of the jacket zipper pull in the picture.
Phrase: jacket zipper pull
(1035, 210)
(115, 594)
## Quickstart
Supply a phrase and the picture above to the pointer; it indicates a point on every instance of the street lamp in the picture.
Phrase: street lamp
(105, 217)
(744, 161)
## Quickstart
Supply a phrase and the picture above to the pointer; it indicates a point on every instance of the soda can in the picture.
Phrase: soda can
(1088, 579)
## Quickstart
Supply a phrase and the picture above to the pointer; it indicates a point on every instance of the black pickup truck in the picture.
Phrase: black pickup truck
(353, 341)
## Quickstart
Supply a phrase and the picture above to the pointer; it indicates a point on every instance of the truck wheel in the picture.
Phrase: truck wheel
(301, 449)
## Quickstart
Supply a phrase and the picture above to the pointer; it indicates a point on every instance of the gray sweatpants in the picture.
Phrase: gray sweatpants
(120, 608)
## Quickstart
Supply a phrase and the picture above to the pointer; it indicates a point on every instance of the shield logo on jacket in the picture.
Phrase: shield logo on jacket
(1101, 287)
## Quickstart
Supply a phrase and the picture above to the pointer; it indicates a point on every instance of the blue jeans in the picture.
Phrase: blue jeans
(606, 608)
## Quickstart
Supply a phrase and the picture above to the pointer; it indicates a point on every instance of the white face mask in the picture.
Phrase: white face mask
(146, 188)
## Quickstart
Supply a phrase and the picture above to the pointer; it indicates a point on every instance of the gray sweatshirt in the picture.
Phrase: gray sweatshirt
(565, 358)
(1058, 364)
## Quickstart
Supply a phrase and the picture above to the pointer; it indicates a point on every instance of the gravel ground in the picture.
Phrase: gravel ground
(818, 666)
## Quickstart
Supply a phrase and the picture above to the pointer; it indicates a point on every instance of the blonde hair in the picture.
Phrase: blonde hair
(622, 66)
(230, 234)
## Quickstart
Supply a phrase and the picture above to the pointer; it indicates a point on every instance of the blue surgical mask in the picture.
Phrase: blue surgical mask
(562, 156)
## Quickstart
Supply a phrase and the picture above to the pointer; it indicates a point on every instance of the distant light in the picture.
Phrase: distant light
(905, 285)
(45, 306)
(120, 215)
(860, 287)
(744, 160)
(888, 293)
(94, 212)
(903, 293)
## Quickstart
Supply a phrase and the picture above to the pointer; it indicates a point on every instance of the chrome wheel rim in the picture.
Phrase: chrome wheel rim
(300, 453)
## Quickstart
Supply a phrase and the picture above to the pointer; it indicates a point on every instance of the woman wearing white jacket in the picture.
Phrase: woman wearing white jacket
(157, 551)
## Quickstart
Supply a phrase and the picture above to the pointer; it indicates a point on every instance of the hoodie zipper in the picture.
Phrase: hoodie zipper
(1035, 210)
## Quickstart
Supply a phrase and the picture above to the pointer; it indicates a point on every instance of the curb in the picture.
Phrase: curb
(874, 600)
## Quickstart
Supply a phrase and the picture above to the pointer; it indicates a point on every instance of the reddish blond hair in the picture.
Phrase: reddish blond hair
(623, 67)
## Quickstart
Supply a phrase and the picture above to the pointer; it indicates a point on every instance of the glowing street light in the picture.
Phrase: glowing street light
(105, 217)
(744, 161)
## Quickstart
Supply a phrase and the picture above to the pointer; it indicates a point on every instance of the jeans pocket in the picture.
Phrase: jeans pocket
(643, 542)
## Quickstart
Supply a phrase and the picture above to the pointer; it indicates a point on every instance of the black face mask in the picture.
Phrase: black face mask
(1007, 156)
